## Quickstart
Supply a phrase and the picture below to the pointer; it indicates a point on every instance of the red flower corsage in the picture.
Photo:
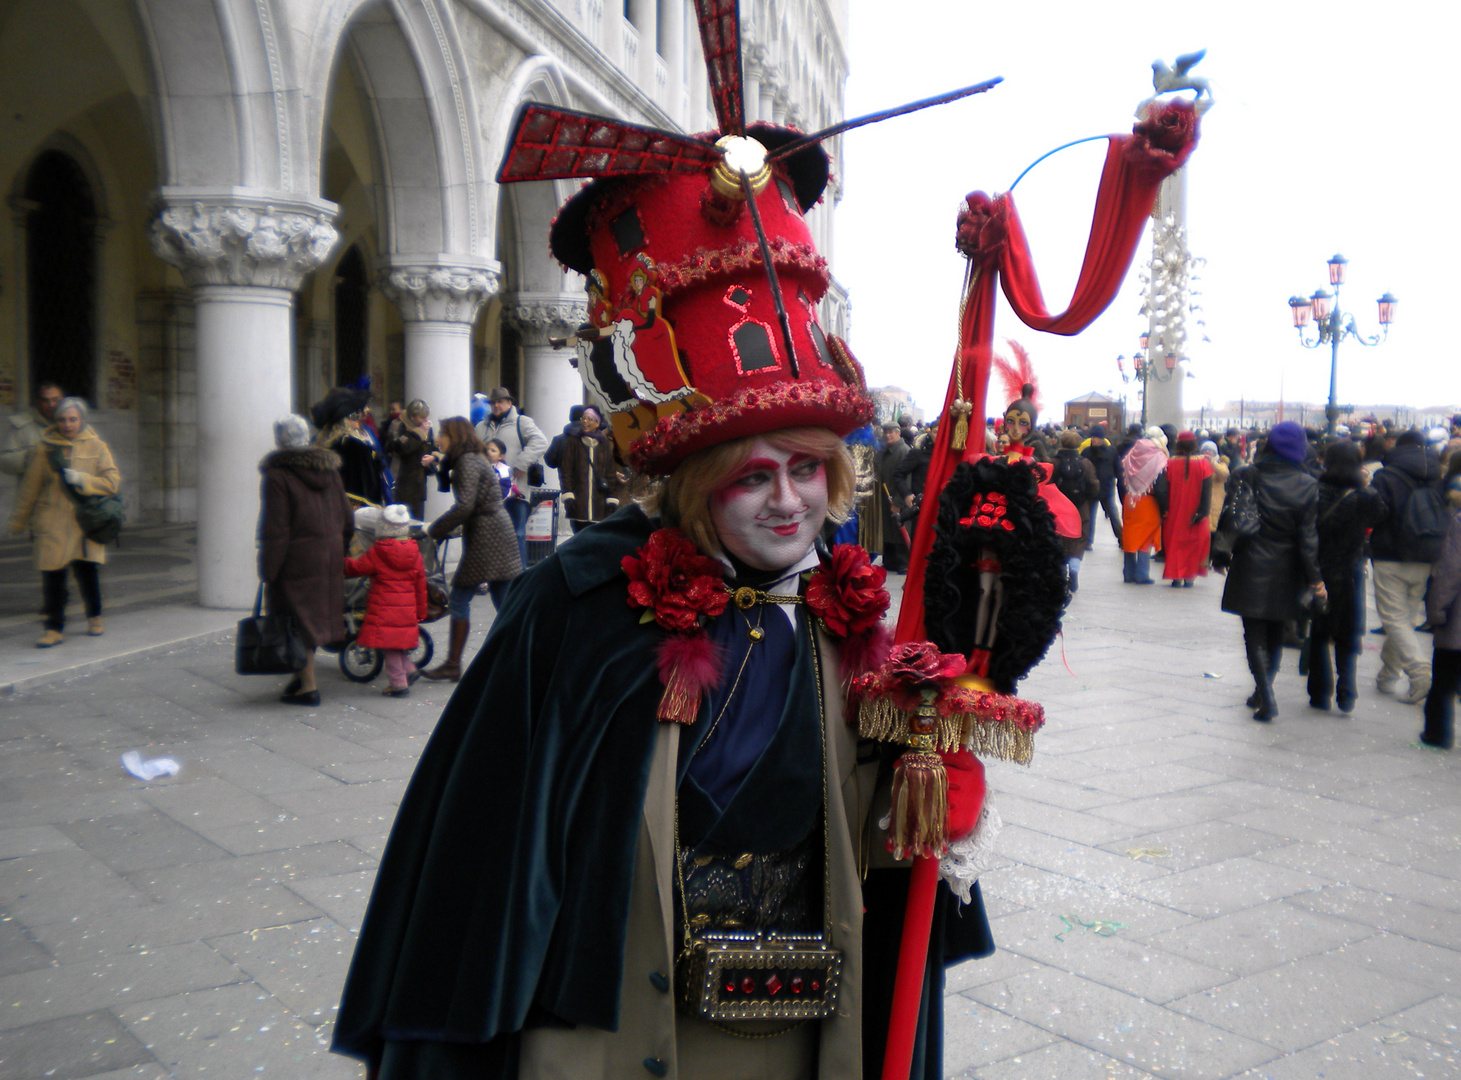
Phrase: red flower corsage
(846, 592)
(673, 582)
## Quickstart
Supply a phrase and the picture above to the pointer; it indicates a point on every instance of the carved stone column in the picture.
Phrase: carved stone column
(439, 298)
(244, 253)
(551, 386)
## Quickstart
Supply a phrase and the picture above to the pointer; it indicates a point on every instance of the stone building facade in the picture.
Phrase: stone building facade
(221, 208)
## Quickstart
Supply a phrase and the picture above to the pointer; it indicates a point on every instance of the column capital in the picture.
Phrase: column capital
(239, 236)
(438, 288)
(539, 316)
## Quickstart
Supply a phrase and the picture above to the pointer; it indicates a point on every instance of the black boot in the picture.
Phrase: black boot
(451, 669)
(1259, 664)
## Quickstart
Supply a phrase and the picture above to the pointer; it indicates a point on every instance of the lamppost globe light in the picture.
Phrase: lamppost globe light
(1144, 339)
(1171, 362)
(1334, 328)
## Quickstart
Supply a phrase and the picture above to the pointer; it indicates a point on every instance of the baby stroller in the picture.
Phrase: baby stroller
(359, 663)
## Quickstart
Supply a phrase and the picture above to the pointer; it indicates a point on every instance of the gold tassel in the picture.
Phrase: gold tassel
(961, 428)
(681, 700)
(919, 816)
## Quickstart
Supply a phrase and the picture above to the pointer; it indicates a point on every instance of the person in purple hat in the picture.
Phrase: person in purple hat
(1275, 573)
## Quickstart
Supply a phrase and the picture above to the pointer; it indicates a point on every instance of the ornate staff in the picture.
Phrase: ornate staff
(985, 588)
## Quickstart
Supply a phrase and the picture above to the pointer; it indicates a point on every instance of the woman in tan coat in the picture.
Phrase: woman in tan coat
(72, 453)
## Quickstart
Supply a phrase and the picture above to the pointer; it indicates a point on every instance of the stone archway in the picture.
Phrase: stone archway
(539, 299)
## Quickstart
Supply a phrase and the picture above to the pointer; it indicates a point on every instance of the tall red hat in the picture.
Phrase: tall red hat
(686, 347)
(702, 276)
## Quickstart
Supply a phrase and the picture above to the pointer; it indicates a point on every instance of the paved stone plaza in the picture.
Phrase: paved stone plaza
(1184, 892)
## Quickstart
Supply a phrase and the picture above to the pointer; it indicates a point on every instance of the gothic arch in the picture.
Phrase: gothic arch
(526, 210)
(429, 164)
(226, 108)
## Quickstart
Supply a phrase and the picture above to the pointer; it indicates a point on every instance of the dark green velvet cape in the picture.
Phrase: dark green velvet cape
(502, 897)
(541, 757)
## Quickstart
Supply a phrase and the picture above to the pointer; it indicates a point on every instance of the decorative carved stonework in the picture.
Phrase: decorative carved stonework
(539, 316)
(235, 238)
(439, 292)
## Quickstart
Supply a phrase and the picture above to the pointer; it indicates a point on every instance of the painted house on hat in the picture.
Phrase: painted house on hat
(222, 208)
(1095, 408)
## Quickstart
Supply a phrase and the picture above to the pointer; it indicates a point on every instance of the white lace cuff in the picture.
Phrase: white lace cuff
(966, 859)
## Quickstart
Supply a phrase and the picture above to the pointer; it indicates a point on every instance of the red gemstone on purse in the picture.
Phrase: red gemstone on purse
(796, 984)
(730, 986)
(773, 984)
(816, 985)
(748, 985)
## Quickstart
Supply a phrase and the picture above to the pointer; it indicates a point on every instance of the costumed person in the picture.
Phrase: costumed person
(592, 480)
(69, 461)
(642, 836)
(489, 544)
(864, 526)
(339, 418)
(305, 526)
(1275, 571)
(1185, 534)
(1141, 515)
(1348, 510)
(397, 601)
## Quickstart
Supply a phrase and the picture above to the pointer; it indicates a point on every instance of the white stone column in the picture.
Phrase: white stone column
(244, 253)
(751, 85)
(439, 298)
(674, 57)
(551, 385)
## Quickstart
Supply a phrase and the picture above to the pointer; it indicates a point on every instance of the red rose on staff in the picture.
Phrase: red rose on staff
(671, 578)
(916, 662)
(1164, 139)
(846, 592)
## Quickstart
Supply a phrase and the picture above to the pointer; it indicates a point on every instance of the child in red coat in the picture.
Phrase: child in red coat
(397, 596)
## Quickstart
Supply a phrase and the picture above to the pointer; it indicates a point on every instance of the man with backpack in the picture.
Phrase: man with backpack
(1402, 548)
(1075, 477)
(526, 445)
(1102, 456)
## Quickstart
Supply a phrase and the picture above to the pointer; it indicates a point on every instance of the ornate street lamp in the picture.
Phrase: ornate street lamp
(1334, 325)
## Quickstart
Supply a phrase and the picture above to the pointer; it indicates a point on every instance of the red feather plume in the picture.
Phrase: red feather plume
(1019, 378)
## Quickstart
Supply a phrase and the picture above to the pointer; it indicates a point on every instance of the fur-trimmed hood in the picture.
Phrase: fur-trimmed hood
(311, 464)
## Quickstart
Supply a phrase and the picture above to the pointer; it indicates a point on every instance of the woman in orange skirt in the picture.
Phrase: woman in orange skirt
(1141, 520)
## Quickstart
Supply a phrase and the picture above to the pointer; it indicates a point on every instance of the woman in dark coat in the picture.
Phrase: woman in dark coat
(305, 523)
(1348, 508)
(591, 485)
(1272, 570)
(489, 544)
(412, 440)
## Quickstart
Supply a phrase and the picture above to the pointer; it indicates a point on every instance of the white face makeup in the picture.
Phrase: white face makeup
(769, 513)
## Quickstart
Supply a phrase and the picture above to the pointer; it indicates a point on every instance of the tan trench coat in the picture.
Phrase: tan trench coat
(43, 507)
(647, 1028)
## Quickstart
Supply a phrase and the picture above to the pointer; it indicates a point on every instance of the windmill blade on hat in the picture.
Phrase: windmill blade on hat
(804, 141)
(720, 35)
(550, 143)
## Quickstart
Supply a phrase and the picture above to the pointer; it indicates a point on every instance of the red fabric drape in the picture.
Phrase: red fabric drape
(992, 235)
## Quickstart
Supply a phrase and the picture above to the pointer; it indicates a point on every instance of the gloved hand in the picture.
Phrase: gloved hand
(1196, 517)
(74, 478)
(966, 792)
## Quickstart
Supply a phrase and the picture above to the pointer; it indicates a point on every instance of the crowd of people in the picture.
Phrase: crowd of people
(1375, 504)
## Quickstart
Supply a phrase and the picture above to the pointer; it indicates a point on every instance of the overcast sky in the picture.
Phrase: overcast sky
(1332, 132)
